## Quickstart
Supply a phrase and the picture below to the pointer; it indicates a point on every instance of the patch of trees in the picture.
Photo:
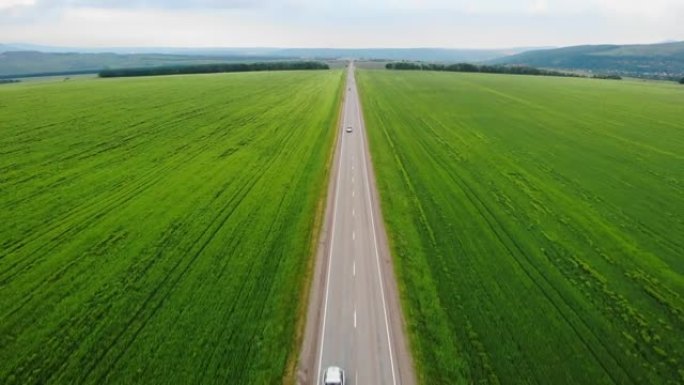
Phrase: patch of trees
(609, 77)
(8, 81)
(681, 81)
(49, 74)
(467, 67)
(214, 68)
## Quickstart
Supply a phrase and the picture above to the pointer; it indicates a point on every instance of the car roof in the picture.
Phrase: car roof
(333, 373)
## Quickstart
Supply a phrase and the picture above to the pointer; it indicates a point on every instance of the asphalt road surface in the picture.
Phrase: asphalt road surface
(354, 319)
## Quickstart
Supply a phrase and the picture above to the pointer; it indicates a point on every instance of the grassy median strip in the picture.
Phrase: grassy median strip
(536, 224)
(156, 230)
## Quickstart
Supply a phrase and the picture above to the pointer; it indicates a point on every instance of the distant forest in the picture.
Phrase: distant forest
(467, 67)
(213, 68)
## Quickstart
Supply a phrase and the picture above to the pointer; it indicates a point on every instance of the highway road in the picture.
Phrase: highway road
(354, 319)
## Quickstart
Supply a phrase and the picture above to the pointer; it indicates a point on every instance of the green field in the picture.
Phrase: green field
(537, 224)
(159, 230)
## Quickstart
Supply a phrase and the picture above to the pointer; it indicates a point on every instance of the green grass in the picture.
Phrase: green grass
(159, 230)
(537, 225)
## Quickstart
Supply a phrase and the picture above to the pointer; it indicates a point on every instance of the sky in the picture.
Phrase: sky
(339, 24)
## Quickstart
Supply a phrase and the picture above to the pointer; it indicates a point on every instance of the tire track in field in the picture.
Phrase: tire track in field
(87, 211)
(469, 194)
(259, 284)
(43, 190)
(288, 142)
(269, 265)
(11, 325)
(70, 264)
(474, 352)
(610, 207)
(146, 181)
(37, 134)
(267, 269)
(657, 236)
(408, 183)
(576, 232)
(166, 240)
(84, 322)
(90, 152)
(164, 290)
(91, 216)
(239, 297)
(512, 237)
(152, 130)
(120, 197)
(579, 122)
(222, 218)
(503, 236)
(154, 259)
(415, 203)
(243, 300)
(92, 313)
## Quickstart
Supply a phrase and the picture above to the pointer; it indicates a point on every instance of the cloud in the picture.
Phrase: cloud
(21, 8)
(539, 6)
(396, 23)
(167, 4)
(11, 4)
(650, 8)
(15, 3)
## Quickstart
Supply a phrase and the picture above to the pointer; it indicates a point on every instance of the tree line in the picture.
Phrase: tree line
(214, 68)
(49, 74)
(609, 77)
(491, 69)
(8, 81)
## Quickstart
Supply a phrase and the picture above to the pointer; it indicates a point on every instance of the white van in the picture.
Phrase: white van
(333, 376)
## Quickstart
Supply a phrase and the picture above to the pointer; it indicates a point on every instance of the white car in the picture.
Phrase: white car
(349, 128)
(333, 376)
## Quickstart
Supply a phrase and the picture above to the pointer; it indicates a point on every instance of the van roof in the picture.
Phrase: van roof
(334, 374)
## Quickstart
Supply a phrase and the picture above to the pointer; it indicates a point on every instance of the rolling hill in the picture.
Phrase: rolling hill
(23, 63)
(24, 59)
(665, 60)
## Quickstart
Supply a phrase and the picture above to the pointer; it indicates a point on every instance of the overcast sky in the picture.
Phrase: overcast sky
(341, 23)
